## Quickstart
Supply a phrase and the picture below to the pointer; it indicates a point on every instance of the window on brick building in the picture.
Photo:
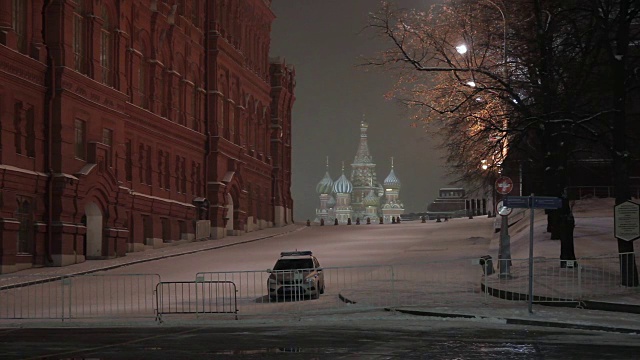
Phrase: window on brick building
(106, 49)
(167, 173)
(17, 124)
(81, 62)
(183, 175)
(80, 139)
(20, 23)
(128, 165)
(148, 166)
(194, 108)
(107, 136)
(30, 142)
(165, 104)
(24, 214)
(195, 13)
(143, 80)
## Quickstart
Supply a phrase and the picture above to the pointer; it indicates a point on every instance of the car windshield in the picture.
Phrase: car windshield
(292, 264)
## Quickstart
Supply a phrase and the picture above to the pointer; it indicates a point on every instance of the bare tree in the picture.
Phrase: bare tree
(525, 81)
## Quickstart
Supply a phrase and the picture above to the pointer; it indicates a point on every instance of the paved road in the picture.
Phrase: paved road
(336, 246)
(381, 336)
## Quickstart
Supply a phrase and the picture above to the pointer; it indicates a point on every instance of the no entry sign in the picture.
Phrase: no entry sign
(504, 185)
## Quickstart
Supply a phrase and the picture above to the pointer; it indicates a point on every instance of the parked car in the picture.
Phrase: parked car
(296, 275)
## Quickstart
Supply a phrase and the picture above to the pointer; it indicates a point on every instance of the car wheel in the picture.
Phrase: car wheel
(322, 289)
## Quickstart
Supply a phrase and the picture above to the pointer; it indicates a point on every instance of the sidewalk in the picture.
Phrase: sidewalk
(170, 250)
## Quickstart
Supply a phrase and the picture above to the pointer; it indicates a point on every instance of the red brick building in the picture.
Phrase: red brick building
(125, 125)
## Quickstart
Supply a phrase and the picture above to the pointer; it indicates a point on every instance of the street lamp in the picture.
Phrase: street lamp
(504, 37)
(462, 48)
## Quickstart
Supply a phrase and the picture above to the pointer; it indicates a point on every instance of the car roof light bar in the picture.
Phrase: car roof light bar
(295, 253)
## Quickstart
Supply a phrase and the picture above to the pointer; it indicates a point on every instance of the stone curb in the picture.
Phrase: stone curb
(545, 301)
(515, 321)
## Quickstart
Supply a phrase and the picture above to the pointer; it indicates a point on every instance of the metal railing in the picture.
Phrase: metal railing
(354, 288)
(78, 296)
(555, 280)
(196, 297)
(451, 283)
(581, 192)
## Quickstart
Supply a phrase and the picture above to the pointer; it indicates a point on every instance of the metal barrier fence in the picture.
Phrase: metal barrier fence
(200, 297)
(254, 297)
(451, 283)
(580, 192)
(78, 296)
(589, 278)
(354, 288)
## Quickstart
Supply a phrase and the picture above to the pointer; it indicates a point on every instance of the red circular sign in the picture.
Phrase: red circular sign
(504, 185)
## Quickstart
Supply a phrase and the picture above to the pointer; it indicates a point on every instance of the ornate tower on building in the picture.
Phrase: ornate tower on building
(363, 174)
(343, 189)
(393, 207)
(324, 189)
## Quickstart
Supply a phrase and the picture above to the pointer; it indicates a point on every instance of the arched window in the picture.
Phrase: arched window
(143, 78)
(106, 49)
(20, 24)
(195, 13)
(164, 95)
(81, 63)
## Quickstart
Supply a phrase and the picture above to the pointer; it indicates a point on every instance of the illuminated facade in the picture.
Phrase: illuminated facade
(121, 132)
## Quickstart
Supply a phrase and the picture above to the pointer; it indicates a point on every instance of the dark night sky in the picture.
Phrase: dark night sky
(323, 40)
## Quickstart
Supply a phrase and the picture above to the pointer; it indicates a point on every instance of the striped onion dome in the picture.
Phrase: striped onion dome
(392, 182)
(325, 186)
(331, 202)
(342, 185)
(370, 200)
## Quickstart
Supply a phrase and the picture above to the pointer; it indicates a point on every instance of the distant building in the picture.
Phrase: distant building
(125, 125)
(453, 202)
(363, 196)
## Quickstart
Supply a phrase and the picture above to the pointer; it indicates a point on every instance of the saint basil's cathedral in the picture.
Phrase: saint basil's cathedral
(361, 196)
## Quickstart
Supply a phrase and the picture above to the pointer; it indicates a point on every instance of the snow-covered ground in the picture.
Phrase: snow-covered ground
(593, 234)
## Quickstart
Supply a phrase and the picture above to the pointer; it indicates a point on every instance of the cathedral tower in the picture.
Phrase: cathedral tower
(393, 207)
(343, 189)
(363, 174)
(324, 189)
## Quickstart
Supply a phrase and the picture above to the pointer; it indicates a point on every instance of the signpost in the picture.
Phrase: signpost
(504, 185)
(627, 221)
(533, 202)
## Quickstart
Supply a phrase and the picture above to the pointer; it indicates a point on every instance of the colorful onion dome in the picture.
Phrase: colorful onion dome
(342, 185)
(325, 186)
(371, 199)
(392, 181)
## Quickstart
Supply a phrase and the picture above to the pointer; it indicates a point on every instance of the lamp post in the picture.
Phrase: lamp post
(504, 38)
